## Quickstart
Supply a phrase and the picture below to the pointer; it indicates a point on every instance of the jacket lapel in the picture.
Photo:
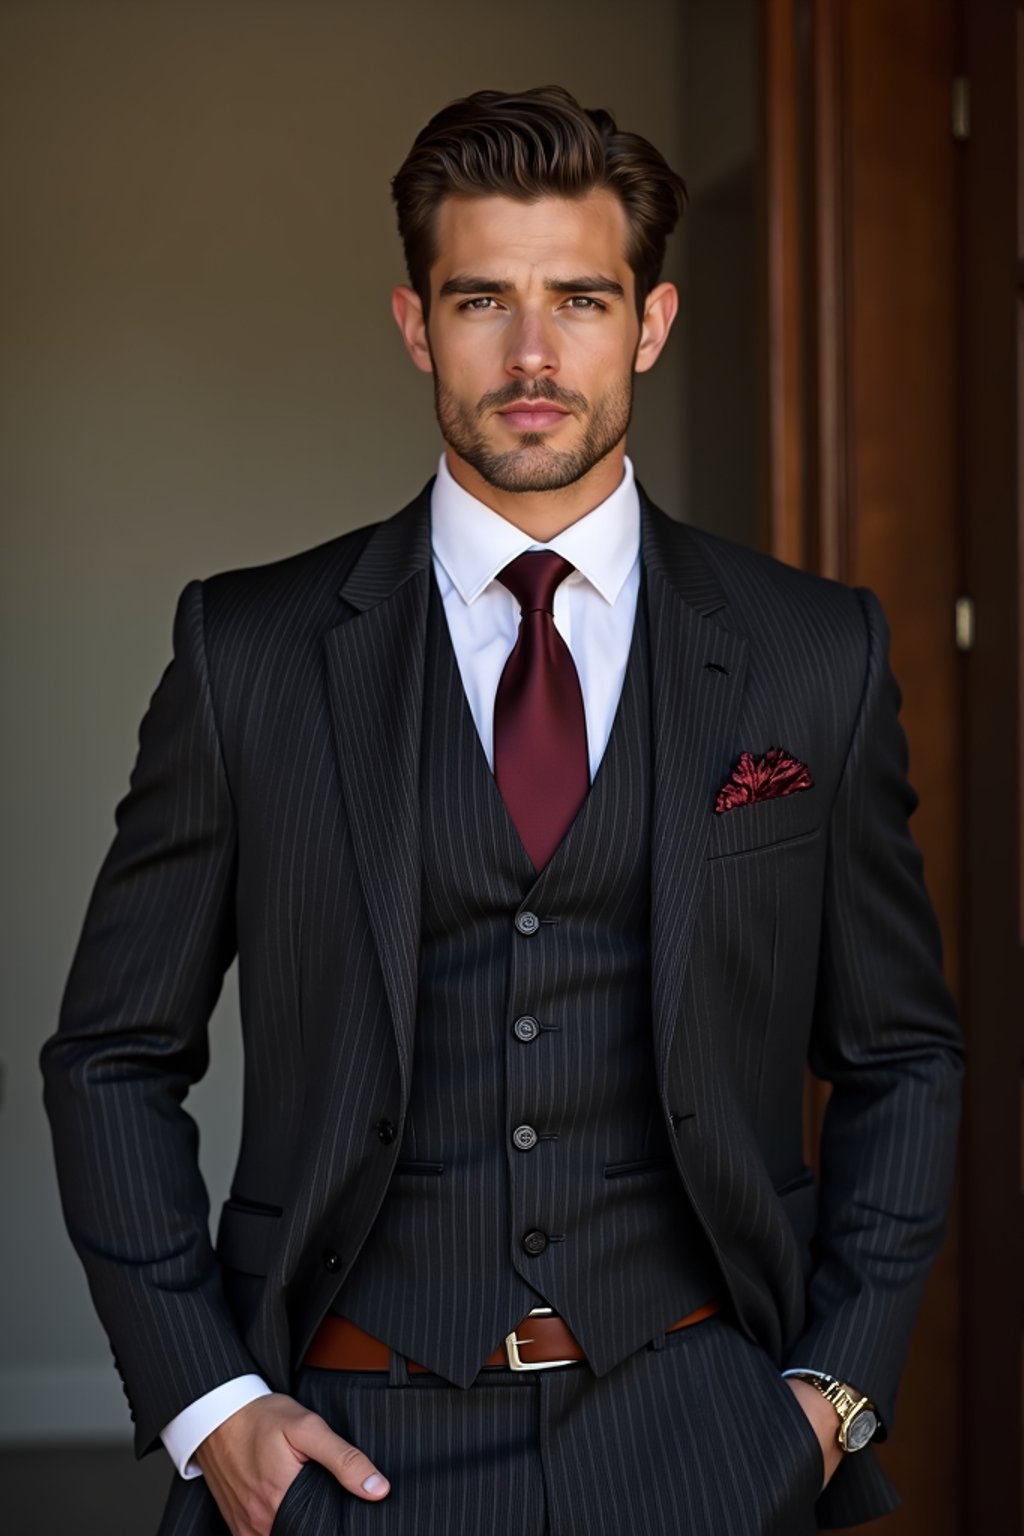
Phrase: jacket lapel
(375, 686)
(698, 668)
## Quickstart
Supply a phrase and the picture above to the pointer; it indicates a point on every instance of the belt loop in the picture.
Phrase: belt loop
(398, 1371)
(658, 1342)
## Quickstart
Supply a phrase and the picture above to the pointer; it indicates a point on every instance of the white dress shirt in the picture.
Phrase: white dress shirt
(594, 606)
(594, 609)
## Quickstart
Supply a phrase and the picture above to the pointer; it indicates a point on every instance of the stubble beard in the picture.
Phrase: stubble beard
(534, 465)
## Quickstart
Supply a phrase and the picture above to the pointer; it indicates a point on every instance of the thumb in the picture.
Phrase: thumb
(353, 1470)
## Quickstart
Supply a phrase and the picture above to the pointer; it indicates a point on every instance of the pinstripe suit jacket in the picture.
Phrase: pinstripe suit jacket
(273, 812)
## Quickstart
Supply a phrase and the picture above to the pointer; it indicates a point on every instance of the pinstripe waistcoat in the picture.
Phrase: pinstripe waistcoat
(534, 1106)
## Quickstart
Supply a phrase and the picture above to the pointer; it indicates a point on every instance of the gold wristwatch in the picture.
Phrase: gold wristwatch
(858, 1419)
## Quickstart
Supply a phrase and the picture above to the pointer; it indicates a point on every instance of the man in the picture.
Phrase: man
(554, 837)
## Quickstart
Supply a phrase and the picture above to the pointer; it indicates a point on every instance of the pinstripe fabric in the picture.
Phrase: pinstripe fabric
(444, 1276)
(274, 807)
(661, 1445)
(586, 1456)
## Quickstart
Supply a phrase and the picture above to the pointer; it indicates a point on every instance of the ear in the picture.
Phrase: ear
(408, 312)
(660, 310)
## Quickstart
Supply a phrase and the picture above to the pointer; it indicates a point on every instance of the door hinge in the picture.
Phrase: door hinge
(964, 624)
(961, 113)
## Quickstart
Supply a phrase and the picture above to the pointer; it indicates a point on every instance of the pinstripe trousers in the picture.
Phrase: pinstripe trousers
(696, 1434)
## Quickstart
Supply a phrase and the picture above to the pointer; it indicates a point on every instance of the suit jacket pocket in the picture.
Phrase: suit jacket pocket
(799, 1197)
(764, 823)
(246, 1235)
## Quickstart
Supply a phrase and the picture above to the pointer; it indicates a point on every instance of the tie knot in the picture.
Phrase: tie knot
(533, 577)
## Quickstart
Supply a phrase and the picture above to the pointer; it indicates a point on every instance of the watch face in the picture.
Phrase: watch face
(860, 1429)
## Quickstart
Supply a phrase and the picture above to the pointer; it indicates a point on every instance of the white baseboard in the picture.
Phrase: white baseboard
(66, 1405)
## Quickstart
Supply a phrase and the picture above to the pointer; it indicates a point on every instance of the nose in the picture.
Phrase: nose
(530, 350)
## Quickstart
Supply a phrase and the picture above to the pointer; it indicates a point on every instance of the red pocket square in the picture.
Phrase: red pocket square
(763, 778)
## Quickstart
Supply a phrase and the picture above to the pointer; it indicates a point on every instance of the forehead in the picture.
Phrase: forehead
(549, 235)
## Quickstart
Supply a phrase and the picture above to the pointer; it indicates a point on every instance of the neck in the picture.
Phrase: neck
(543, 514)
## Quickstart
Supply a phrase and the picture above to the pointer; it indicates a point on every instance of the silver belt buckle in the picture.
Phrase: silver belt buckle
(512, 1343)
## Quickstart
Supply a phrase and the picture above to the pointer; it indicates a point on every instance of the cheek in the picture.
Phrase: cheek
(603, 355)
(467, 367)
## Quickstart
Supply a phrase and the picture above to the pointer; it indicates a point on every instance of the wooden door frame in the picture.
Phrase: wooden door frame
(859, 452)
(992, 441)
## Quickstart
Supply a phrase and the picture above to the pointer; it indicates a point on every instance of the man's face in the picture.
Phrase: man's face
(532, 336)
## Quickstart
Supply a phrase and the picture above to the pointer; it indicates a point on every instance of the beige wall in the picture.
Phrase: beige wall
(198, 369)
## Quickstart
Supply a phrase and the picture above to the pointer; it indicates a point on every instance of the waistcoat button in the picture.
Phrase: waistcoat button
(524, 1137)
(527, 922)
(332, 1260)
(386, 1131)
(535, 1242)
(526, 1028)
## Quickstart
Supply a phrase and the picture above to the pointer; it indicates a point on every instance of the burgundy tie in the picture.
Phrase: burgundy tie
(540, 731)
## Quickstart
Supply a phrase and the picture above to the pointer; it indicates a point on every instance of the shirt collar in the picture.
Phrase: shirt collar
(473, 542)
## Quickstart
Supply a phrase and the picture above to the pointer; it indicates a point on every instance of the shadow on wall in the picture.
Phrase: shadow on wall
(84, 1490)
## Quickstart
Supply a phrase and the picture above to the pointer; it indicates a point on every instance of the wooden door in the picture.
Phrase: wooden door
(861, 482)
(991, 227)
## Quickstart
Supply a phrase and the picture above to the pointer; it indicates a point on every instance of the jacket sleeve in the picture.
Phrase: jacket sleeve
(132, 1038)
(885, 1036)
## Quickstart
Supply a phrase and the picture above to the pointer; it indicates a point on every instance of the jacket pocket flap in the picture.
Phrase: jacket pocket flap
(800, 1202)
(245, 1238)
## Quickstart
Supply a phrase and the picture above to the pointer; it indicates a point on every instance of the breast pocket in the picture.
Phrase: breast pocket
(765, 823)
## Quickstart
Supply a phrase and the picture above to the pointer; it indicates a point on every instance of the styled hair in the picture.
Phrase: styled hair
(528, 145)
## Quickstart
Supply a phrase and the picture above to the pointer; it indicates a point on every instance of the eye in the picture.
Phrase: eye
(477, 304)
(582, 302)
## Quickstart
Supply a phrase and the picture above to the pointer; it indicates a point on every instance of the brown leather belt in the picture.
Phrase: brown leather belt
(340, 1345)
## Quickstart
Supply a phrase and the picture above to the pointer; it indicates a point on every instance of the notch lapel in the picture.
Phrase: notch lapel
(375, 687)
(698, 669)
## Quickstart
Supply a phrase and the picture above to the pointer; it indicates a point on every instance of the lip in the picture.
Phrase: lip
(533, 416)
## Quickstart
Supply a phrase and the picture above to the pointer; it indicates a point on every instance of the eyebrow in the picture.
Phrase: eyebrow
(468, 284)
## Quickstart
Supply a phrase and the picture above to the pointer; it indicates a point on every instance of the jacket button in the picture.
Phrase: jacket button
(526, 1028)
(524, 1137)
(332, 1260)
(527, 922)
(386, 1131)
(535, 1242)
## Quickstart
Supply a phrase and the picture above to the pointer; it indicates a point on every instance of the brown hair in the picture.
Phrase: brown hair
(538, 143)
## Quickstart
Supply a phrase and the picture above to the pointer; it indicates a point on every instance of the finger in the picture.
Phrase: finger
(353, 1469)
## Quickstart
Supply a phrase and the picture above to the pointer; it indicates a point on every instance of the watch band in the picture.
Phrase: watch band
(846, 1400)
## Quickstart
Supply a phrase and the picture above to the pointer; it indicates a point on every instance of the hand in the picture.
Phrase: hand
(824, 1422)
(251, 1459)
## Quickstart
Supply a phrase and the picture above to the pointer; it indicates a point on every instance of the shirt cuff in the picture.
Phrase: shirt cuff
(189, 1428)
